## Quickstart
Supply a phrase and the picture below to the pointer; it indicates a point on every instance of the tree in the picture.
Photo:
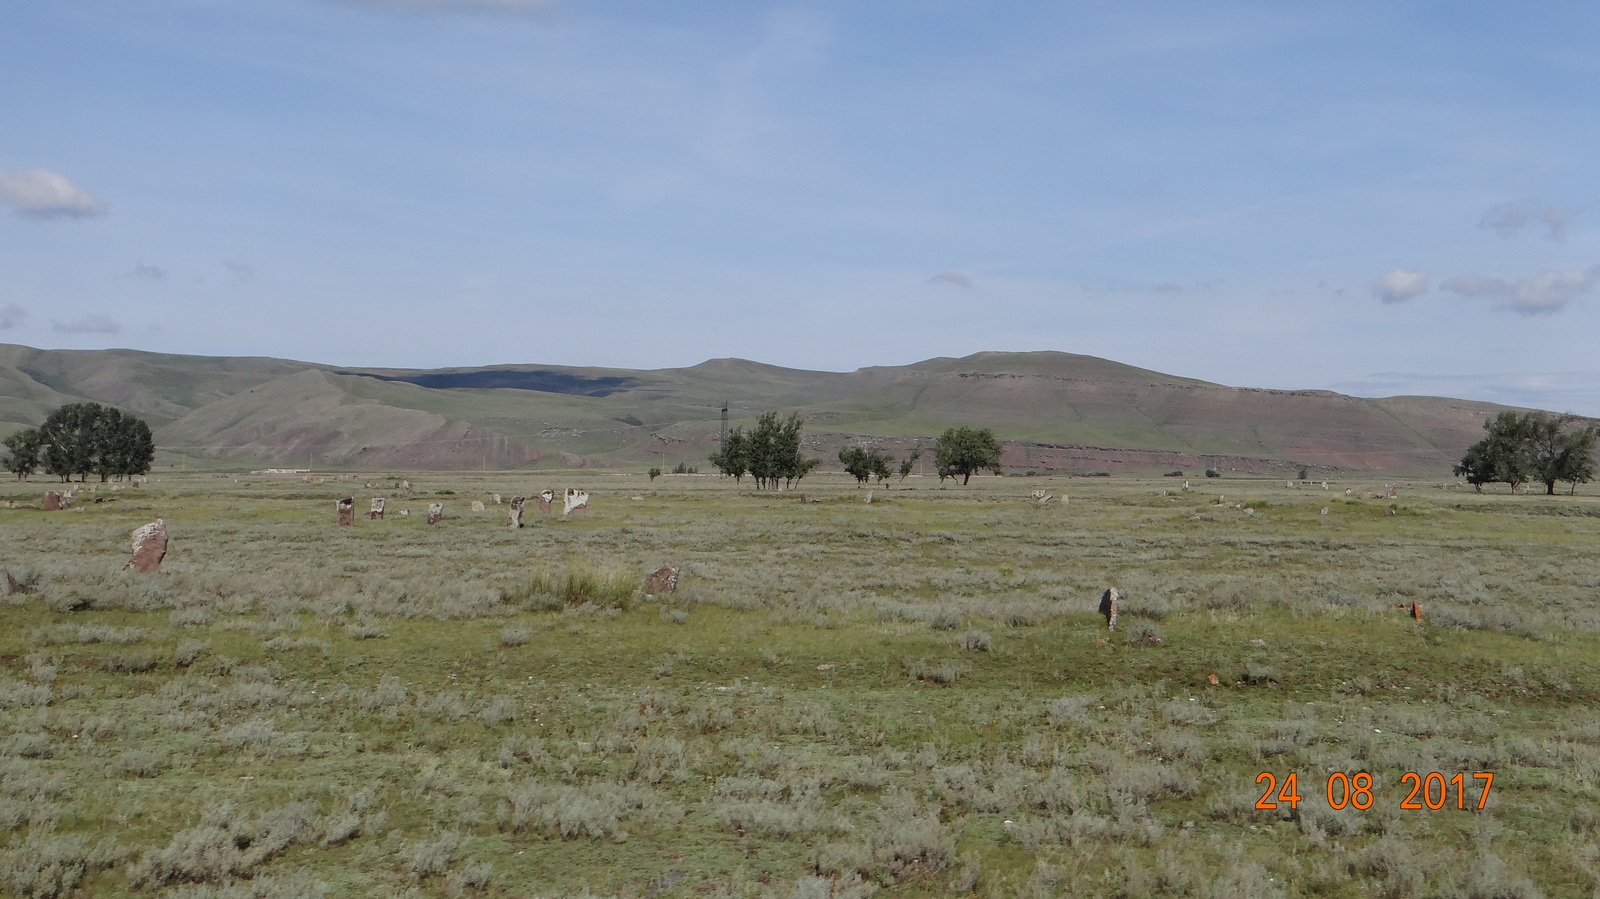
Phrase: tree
(26, 447)
(81, 438)
(865, 464)
(909, 463)
(1557, 451)
(961, 452)
(770, 452)
(733, 459)
(1531, 446)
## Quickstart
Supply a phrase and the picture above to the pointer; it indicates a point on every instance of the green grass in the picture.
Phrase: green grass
(914, 696)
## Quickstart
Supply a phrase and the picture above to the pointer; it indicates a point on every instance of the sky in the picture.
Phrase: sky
(1377, 198)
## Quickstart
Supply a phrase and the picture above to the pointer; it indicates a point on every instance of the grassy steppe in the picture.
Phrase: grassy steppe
(914, 695)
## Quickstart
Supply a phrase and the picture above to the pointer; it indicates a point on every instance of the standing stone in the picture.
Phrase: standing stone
(8, 584)
(1348, 491)
(435, 512)
(347, 511)
(663, 580)
(495, 497)
(377, 509)
(516, 512)
(405, 513)
(52, 501)
(1108, 607)
(477, 505)
(1324, 510)
(545, 499)
(1416, 611)
(869, 497)
(406, 486)
(576, 501)
(149, 547)
(1392, 493)
(1324, 485)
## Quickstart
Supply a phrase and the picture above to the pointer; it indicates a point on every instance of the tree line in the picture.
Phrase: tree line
(770, 453)
(1531, 447)
(83, 439)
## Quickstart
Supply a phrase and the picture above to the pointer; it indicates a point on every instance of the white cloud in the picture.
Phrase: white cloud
(147, 272)
(1508, 219)
(93, 324)
(40, 193)
(446, 7)
(1400, 285)
(955, 279)
(11, 315)
(1543, 294)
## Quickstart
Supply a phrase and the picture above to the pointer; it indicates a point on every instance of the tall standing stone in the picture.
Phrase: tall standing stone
(477, 505)
(149, 547)
(435, 513)
(495, 498)
(1108, 607)
(545, 499)
(516, 512)
(377, 509)
(52, 501)
(347, 511)
(576, 501)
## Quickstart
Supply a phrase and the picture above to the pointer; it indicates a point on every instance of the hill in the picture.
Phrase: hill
(1056, 412)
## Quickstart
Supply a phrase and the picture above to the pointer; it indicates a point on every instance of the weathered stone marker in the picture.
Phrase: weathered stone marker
(149, 547)
(52, 501)
(545, 499)
(1416, 611)
(1108, 607)
(347, 511)
(404, 513)
(8, 584)
(515, 515)
(435, 513)
(663, 580)
(477, 505)
(377, 509)
(495, 497)
(406, 486)
(576, 501)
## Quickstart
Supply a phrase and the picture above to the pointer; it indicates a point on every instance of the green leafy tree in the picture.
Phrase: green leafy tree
(1531, 446)
(733, 459)
(27, 447)
(864, 464)
(963, 452)
(84, 438)
(909, 463)
(1560, 448)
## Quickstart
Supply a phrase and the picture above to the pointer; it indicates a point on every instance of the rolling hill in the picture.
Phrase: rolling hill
(1056, 412)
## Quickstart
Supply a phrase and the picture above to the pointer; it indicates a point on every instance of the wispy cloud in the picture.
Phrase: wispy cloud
(1508, 219)
(242, 271)
(954, 279)
(147, 272)
(1400, 285)
(11, 315)
(456, 7)
(93, 324)
(43, 194)
(1543, 294)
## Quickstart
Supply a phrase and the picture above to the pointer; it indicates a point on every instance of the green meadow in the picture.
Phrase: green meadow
(911, 696)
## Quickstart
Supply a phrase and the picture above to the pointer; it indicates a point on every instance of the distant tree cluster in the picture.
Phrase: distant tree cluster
(769, 452)
(1531, 447)
(963, 452)
(83, 439)
(865, 464)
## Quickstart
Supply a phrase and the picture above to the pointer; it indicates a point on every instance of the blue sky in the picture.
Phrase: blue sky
(1375, 198)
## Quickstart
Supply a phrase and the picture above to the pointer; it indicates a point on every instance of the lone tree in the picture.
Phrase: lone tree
(909, 463)
(1531, 446)
(26, 448)
(88, 438)
(865, 464)
(769, 452)
(962, 452)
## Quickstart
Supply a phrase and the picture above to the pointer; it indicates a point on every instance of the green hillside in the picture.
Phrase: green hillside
(1056, 411)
